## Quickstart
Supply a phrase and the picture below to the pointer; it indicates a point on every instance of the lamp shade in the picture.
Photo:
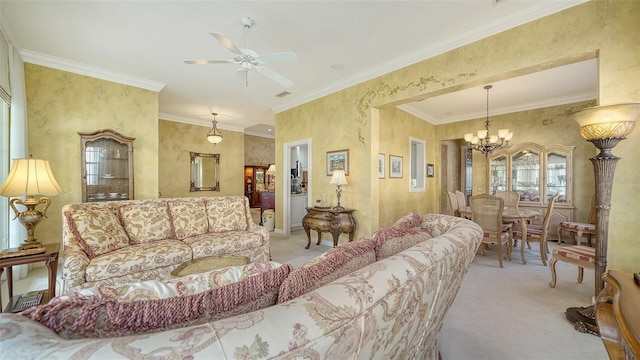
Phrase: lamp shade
(610, 121)
(271, 169)
(30, 177)
(214, 139)
(338, 178)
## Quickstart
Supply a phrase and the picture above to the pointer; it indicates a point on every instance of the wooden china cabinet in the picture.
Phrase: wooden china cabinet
(537, 173)
(107, 166)
(254, 183)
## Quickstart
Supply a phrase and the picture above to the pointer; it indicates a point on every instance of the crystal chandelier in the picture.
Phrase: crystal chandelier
(214, 135)
(483, 141)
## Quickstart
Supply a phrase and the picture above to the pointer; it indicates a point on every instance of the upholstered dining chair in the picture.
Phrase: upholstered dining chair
(511, 198)
(580, 229)
(539, 232)
(486, 211)
(453, 204)
(462, 200)
(580, 255)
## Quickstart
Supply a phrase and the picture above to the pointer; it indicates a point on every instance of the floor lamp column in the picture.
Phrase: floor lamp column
(604, 127)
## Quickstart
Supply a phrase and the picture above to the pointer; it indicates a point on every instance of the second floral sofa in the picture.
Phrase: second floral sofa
(118, 242)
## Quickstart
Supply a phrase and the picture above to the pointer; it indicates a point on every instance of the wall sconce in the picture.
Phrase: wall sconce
(30, 177)
(604, 127)
(338, 179)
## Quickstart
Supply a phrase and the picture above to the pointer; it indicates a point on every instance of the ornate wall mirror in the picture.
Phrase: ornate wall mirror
(205, 171)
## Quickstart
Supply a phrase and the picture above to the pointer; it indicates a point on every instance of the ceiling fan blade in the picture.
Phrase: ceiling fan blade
(203, 61)
(275, 77)
(226, 42)
(279, 57)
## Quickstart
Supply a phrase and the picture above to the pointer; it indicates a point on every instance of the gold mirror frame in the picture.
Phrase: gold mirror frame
(205, 172)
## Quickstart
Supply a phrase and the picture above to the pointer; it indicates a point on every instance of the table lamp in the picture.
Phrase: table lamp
(30, 177)
(338, 179)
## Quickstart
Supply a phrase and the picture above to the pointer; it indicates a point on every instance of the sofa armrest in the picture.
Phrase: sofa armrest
(253, 227)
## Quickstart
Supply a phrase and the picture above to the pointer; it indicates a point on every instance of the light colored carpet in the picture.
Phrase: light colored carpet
(508, 313)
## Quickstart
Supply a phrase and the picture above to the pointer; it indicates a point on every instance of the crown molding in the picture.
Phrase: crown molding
(503, 110)
(37, 58)
(197, 122)
(516, 19)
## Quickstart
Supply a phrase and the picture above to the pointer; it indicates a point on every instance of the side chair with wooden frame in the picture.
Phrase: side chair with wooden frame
(486, 211)
(539, 232)
(453, 204)
(580, 229)
(511, 198)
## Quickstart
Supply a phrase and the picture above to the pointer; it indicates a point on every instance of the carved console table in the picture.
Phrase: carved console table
(618, 315)
(331, 221)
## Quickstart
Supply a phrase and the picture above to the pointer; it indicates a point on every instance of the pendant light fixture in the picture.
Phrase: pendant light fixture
(483, 141)
(214, 135)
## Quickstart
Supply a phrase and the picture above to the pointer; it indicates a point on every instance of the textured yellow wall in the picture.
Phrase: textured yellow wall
(60, 104)
(608, 30)
(397, 127)
(259, 150)
(173, 153)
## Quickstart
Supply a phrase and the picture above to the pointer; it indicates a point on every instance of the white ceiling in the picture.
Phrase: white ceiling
(339, 44)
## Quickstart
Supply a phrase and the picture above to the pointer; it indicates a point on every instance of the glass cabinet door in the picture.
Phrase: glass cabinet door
(557, 177)
(107, 166)
(525, 175)
(498, 173)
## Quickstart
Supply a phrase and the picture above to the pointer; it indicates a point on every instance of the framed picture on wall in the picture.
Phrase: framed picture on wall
(380, 166)
(429, 170)
(337, 160)
(395, 166)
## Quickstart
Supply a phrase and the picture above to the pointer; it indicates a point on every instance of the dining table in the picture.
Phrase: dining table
(512, 215)
(523, 216)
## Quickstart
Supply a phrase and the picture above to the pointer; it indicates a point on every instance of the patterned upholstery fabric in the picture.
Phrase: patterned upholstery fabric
(189, 218)
(335, 263)
(577, 252)
(226, 214)
(392, 246)
(75, 316)
(98, 231)
(150, 226)
(146, 222)
(578, 226)
(391, 309)
(130, 259)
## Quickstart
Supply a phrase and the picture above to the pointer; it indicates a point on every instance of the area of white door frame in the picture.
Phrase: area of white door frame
(285, 174)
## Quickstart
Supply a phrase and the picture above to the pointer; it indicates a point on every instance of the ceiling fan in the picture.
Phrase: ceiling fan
(249, 59)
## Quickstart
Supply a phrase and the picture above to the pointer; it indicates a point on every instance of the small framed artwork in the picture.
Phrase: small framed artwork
(395, 166)
(337, 160)
(429, 170)
(380, 166)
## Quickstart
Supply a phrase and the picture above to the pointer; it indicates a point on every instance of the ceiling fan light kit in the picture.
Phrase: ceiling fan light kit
(249, 59)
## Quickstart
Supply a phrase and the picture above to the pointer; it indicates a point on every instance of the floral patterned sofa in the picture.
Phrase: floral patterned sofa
(118, 242)
(384, 297)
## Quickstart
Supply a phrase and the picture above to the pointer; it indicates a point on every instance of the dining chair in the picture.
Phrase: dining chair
(462, 205)
(539, 232)
(579, 255)
(486, 211)
(453, 204)
(579, 229)
(511, 198)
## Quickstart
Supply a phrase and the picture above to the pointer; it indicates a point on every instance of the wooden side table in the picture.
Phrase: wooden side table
(618, 315)
(50, 257)
(331, 221)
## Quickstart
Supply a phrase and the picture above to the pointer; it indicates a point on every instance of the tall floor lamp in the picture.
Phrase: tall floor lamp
(604, 127)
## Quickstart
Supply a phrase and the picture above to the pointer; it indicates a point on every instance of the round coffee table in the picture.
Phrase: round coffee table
(208, 263)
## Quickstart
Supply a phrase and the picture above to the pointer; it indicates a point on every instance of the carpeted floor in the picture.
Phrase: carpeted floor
(508, 313)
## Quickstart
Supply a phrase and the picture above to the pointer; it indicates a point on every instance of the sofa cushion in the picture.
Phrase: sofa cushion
(216, 244)
(333, 264)
(146, 222)
(227, 213)
(136, 258)
(74, 315)
(98, 231)
(188, 218)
